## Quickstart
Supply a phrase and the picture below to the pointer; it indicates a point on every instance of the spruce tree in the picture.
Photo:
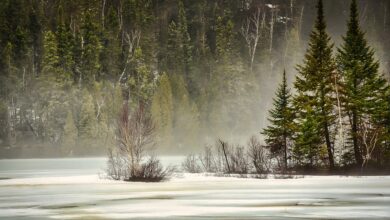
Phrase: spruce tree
(91, 49)
(8, 73)
(141, 81)
(314, 83)
(186, 115)
(179, 44)
(362, 82)
(162, 111)
(50, 60)
(280, 131)
(111, 52)
(87, 124)
(64, 45)
(70, 134)
(36, 32)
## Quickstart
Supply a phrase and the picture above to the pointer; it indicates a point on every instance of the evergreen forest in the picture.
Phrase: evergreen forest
(309, 78)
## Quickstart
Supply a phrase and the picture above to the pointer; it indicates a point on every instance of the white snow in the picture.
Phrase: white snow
(195, 196)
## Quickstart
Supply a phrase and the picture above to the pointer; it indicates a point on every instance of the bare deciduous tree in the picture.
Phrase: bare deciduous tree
(251, 31)
(132, 40)
(135, 133)
(128, 161)
(369, 135)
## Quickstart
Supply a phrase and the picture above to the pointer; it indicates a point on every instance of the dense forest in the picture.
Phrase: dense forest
(203, 70)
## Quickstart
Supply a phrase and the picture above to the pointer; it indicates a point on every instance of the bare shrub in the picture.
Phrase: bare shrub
(152, 171)
(239, 160)
(226, 159)
(127, 161)
(208, 160)
(284, 176)
(191, 164)
(258, 156)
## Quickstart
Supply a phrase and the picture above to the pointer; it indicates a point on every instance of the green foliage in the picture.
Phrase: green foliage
(88, 124)
(139, 12)
(114, 102)
(314, 85)
(162, 111)
(111, 51)
(51, 63)
(91, 49)
(8, 76)
(362, 83)
(308, 141)
(224, 38)
(142, 81)
(60, 56)
(179, 47)
(186, 115)
(50, 58)
(65, 45)
(12, 29)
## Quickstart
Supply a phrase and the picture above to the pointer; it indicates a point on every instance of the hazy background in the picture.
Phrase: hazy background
(208, 90)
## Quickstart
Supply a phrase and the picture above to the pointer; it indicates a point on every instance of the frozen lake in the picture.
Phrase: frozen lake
(72, 189)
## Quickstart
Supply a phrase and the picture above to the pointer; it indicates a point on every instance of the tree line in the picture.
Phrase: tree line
(203, 69)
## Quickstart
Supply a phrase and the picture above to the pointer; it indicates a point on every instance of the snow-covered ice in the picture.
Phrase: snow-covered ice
(189, 196)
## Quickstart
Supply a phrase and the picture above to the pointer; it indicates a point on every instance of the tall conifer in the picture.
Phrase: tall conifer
(279, 133)
(363, 85)
(314, 82)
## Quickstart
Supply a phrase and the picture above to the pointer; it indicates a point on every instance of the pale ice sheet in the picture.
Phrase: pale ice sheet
(195, 196)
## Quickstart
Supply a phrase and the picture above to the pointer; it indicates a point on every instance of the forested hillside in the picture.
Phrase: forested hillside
(203, 69)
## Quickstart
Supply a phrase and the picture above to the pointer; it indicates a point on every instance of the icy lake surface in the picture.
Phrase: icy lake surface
(72, 189)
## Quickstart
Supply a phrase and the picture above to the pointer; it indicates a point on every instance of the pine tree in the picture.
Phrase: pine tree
(224, 38)
(141, 81)
(115, 103)
(50, 56)
(8, 73)
(362, 82)
(36, 32)
(162, 111)
(230, 85)
(88, 124)
(64, 45)
(111, 52)
(13, 29)
(314, 82)
(70, 134)
(184, 36)
(280, 132)
(91, 50)
(186, 115)
(179, 44)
